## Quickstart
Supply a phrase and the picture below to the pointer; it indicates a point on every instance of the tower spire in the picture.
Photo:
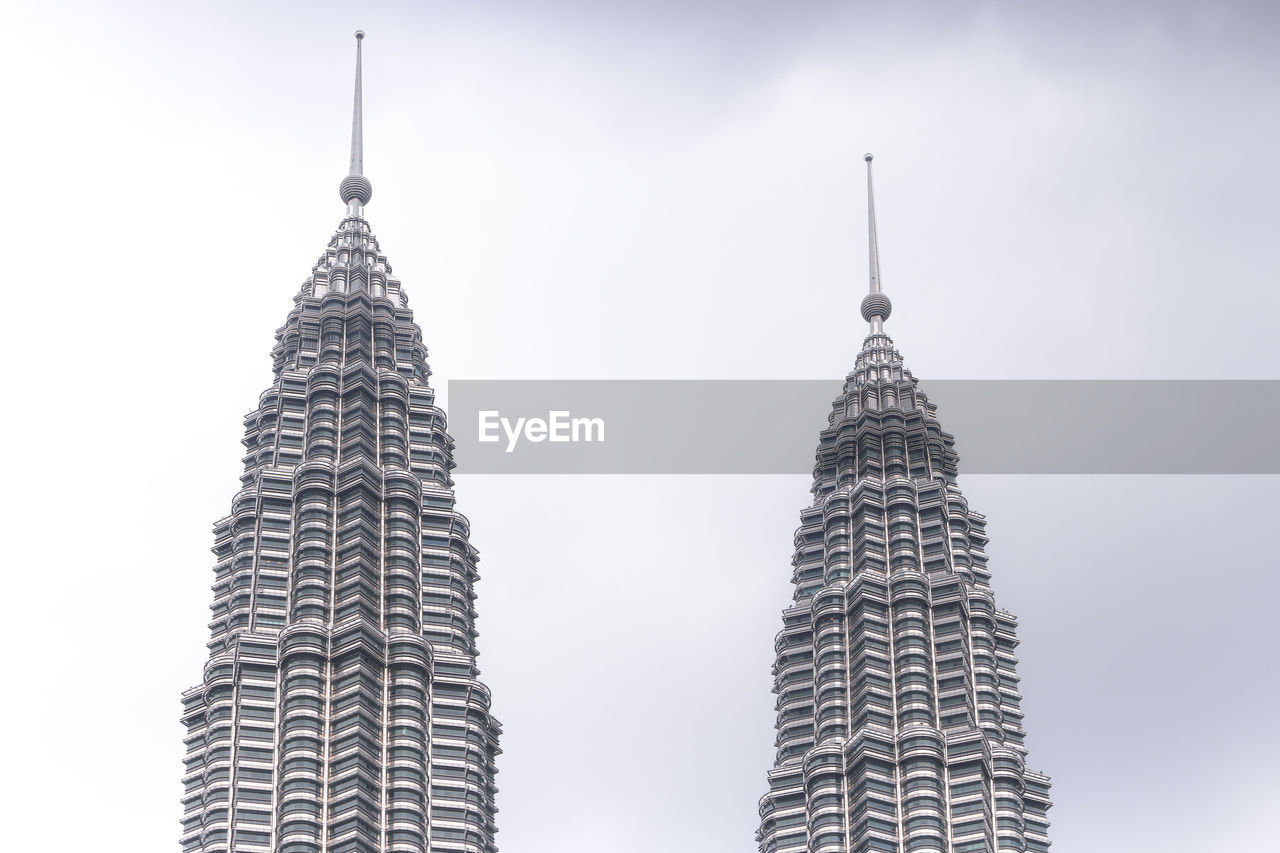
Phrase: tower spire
(875, 305)
(355, 188)
(357, 123)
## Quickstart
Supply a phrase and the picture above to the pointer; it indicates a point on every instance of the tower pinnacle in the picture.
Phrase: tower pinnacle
(875, 305)
(355, 188)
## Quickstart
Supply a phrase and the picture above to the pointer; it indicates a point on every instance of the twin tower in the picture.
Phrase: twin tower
(341, 709)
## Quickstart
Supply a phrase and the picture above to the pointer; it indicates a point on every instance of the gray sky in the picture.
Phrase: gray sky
(574, 190)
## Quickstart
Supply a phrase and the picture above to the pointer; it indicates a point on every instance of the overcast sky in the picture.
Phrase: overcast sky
(661, 189)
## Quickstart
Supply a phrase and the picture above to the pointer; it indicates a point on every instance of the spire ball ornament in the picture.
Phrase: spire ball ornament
(355, 187)
(876, 305)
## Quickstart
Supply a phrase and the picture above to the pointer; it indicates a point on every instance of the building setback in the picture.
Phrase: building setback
(899, 723)
(340, 710)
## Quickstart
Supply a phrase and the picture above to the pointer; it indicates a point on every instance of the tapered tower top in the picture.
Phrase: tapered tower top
(875, 305)
(355, 188)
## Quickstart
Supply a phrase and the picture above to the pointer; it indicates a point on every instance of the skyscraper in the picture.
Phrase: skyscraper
(899, 724)
(340, 709)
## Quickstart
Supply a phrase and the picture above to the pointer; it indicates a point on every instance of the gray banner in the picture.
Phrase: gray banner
(771, 426)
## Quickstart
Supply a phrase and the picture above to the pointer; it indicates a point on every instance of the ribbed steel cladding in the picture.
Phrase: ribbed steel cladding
(340, 710)
(899, 717)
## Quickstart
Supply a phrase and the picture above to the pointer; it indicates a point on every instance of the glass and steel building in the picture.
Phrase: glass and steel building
(899, 720)
(340, 709)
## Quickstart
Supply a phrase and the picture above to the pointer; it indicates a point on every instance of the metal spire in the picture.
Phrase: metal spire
(357, 122)
(875, 306)
(355, 188)
(871, 219)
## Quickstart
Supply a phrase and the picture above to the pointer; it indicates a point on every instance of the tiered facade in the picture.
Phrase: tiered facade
(340, 710)
(899, 723)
